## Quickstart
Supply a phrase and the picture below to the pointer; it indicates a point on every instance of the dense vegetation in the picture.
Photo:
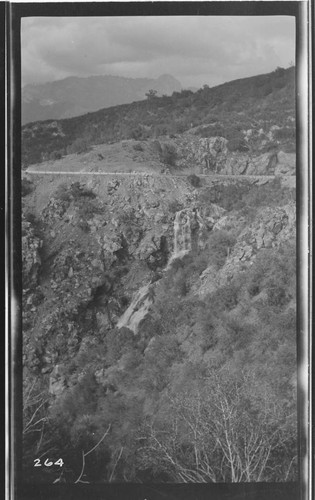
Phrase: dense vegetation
(205, 392)
(227, 110)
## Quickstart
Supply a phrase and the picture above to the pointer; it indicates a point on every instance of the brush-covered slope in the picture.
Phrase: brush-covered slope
(159, 327)
(254, 114)
(74, 96)
(159, 303)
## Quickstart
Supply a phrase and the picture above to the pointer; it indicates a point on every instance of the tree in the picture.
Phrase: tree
(151, 94)
(231, 430)
(80, 145)
(168, 154)
(194, 180)
(37, 439)
(35, 402)
(55, 155)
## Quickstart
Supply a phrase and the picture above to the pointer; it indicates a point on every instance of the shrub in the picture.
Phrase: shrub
(239, 332)
(87, 208)
(84, 226)
(274, 273)
(128, 217)
(27, 187)
(267, 90)
(118, 342)
(279, 72)
(78, 190)
(211, 131)
(138, 147)
(284, 133)
(74, 192)
(219, 245)
(181, 126)
(79, 146)
(168, 154)
(237, 143)
(156, 146)
(151, 94)
(225, 298)
(229, 197)
(55, 155)
(271, 194)
(194, 180)
(62, 193)
(174, 206)
(138, 133)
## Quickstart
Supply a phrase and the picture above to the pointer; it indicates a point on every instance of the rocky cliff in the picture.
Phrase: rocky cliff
(212, 156)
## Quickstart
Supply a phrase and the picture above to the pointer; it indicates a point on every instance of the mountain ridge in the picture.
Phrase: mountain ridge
(64, 98)
(261, 104)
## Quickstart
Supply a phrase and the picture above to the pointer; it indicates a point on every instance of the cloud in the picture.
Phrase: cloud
(196, 50)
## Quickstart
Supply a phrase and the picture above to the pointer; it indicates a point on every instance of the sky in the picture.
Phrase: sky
(196, 50)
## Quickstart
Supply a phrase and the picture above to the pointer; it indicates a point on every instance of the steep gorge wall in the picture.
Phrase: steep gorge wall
(100, 243)
(103, 246)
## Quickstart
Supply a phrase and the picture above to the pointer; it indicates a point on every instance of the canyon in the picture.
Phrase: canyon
(159, 300)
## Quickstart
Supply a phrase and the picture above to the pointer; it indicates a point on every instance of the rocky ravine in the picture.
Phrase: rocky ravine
(94, 251)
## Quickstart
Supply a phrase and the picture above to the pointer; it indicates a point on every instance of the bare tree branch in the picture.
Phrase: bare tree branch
(79, 480)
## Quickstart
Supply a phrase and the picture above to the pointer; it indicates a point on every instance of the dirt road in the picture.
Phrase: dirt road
(144, 174)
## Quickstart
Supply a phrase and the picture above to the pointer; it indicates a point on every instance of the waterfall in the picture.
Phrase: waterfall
(182, 233)
(201, 229)
(177, 231)
(137, 310)
(188, 234)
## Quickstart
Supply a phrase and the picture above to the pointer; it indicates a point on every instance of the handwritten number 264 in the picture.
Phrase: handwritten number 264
(48, 463)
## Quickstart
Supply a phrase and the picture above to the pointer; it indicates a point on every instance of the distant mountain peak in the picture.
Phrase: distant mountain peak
(167, 76)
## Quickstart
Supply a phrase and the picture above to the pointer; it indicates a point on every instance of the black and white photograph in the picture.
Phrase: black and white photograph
(159, 199)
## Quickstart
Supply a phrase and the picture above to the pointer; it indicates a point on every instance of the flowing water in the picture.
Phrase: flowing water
(188, 232)
(137, 310)
(188, 227)
(182, 233)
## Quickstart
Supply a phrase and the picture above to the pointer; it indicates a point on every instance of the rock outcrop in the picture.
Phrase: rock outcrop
(212, 156)
(271, 228)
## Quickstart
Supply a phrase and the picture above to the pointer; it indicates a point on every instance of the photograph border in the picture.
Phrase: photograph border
(255, 491)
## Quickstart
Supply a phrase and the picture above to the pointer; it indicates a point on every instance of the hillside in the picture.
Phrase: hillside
(74, 96)
(159, 290)
(262, 107)
(145, 298)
